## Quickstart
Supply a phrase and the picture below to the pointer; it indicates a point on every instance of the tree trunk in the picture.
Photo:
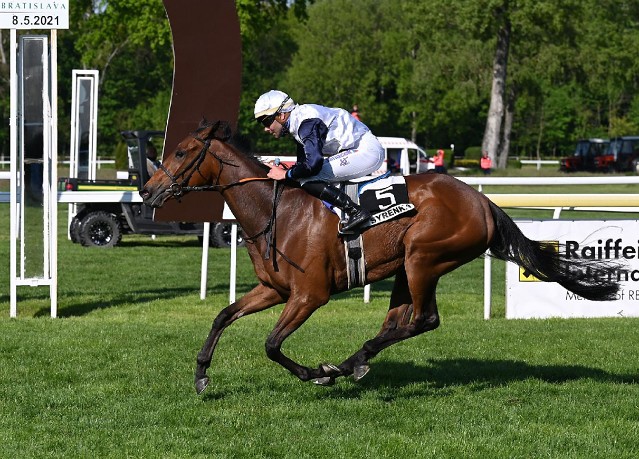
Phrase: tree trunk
(504, 145)
(490, 142)
(3, 56)
(413, 130)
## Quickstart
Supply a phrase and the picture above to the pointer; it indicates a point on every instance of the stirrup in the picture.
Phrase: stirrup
(353, 222)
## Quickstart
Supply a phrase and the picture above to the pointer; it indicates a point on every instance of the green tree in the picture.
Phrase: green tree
(340, 60)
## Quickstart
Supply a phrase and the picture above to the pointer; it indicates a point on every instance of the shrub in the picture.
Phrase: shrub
(472, 153)
(121, 157)
(465, 162)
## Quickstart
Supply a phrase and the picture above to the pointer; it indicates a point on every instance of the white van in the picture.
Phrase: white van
(404, 156)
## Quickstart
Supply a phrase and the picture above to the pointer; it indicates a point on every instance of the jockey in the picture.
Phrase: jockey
(336, 147)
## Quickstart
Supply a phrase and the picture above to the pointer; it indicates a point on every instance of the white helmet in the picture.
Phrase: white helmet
(273, 102)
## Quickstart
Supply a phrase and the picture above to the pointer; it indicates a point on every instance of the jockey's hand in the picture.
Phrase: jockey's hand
(277, 172)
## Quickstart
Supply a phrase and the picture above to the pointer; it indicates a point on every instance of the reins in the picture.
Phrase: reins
(177, 190)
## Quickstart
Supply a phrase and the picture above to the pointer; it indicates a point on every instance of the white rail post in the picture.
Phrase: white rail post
(233, 274)
(205, 259)
(487, 284)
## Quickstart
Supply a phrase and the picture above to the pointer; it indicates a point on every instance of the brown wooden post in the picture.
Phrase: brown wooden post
(207, 79)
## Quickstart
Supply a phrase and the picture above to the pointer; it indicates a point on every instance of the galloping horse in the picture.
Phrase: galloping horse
(299, 257)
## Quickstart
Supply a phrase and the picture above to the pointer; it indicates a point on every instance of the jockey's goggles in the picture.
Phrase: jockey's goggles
(267, 120)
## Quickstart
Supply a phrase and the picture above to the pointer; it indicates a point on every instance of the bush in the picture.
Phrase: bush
(121, 157)
(514, 163)
(465, 162)
(472, 153)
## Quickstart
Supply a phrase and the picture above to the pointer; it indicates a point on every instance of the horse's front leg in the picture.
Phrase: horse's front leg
(258, 299)
(295, 313)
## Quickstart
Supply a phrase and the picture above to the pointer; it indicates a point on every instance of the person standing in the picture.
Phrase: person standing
(355, 112)
(335, 147)
(439, 162)
(485, 163)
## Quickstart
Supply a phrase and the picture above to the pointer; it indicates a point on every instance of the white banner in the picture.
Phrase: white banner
(34, 15)
(527, 297)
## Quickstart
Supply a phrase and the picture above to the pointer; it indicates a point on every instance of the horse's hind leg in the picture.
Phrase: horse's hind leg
(258, 299)
(398, 325)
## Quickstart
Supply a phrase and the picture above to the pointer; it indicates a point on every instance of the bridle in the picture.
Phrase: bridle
(177, 187)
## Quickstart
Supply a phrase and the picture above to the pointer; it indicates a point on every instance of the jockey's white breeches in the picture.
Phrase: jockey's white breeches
(364, 159)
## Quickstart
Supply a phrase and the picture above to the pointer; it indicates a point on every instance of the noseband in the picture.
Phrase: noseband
(177, 189)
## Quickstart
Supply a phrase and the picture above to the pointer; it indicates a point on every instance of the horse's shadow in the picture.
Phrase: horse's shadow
(441, 376)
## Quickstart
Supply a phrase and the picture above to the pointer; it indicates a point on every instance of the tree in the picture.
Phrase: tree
(494, 120)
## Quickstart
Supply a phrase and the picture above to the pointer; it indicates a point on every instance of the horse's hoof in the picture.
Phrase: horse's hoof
(325, 381)
(360, 371)
(330, 369)
(201, 384)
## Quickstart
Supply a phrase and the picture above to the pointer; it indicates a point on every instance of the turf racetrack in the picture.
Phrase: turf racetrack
(113, 376)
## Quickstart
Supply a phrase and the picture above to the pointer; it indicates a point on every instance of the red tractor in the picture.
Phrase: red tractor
(585, 156)
(620, 156)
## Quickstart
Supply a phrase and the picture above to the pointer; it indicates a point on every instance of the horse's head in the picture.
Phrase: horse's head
(186, 166)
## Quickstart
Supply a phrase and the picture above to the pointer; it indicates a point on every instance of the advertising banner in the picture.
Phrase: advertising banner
(616, 240)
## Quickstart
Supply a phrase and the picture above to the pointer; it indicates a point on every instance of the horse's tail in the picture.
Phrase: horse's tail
(589, 278)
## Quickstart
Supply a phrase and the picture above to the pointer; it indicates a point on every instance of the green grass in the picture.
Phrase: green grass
(113, 376)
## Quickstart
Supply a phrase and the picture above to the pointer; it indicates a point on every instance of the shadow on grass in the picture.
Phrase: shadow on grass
(477, 374)
(133, 297)
(391, 381)
(166, 243)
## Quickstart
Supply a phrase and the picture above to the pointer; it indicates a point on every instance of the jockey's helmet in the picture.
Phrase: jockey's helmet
(273, 102)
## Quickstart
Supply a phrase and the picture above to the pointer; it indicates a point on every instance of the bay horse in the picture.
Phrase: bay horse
(298, 255)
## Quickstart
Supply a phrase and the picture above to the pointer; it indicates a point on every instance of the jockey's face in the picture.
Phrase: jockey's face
(276, 128)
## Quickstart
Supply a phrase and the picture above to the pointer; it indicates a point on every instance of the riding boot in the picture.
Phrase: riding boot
(355, 215)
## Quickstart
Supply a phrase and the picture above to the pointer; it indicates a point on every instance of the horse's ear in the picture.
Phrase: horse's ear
(224, 130)
(221, 130)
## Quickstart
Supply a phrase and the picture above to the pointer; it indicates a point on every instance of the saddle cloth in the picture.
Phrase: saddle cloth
(386, 198)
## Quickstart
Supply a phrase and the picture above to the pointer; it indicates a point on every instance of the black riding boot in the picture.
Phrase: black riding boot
(322, 190)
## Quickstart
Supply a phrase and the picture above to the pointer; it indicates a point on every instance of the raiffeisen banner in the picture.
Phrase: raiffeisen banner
(616, 240)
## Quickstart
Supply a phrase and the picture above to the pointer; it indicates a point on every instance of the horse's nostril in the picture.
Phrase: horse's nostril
(144, 193)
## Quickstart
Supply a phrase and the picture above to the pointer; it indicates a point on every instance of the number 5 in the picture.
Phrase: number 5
(385, 194)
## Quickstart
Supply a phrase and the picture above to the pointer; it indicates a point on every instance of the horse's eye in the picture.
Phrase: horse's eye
(180, 153)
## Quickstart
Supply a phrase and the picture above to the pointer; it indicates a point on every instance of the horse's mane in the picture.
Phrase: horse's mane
(221, 130)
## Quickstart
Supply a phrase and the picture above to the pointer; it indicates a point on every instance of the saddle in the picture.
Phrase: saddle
(386, 198)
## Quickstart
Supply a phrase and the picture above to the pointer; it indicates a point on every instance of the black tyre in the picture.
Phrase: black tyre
(221, 235)
(100, 229)
(74, 230)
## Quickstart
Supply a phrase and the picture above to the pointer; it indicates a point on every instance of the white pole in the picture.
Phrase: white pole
(73, 160)
(53, 192)
(487, 284)
(205, 259)
(367, 293)
(46, 163)
(233, 273)
(13, 161)
(93, 140)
